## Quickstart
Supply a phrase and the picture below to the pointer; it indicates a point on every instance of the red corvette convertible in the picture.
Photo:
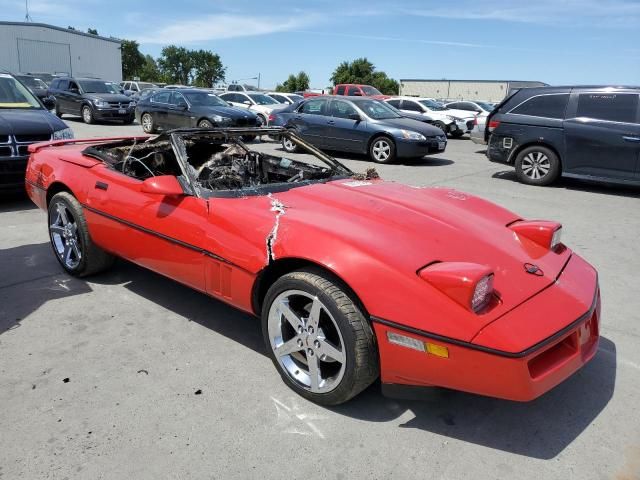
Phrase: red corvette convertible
(354, 278)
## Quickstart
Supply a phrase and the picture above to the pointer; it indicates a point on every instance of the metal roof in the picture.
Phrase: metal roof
(61, 29)
(468, 81)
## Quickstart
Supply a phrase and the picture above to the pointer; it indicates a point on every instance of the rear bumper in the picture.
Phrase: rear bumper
(12, 172)
(500, 148)
(475, 368)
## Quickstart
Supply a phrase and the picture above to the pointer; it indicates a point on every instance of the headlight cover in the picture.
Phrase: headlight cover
(100, 103)
(409, 135)
(220, 119)
(64, 134)
(132, 104)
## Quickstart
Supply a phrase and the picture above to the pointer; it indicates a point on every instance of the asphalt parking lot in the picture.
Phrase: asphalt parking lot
(131, 375)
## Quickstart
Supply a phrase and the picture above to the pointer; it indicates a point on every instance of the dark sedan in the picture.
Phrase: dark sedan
(359, 125)
(188, 108)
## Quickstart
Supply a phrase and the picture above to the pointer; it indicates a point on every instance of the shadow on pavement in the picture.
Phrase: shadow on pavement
(15, 202)
(31, 277)
(579, 185)
(539, 429)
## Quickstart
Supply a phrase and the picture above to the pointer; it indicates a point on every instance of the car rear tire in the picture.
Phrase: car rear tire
(441, 126)
(57, 111)
(87, 114)
(70, 239)
(204, 123)
(289, 145)
(537, 165)
(318, 337)
(148, 123)
(457, 134)
(382, 150)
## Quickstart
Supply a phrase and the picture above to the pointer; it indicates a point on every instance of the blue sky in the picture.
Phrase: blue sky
(555, 41)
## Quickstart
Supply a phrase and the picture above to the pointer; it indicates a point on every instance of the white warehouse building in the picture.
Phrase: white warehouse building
(39, 48)
(481, 90)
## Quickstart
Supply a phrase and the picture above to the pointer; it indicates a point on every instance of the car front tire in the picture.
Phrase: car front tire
(537, 165)
(70, 239)
(382, 150)
(205, 124)
(148, 123)
(318, 337)
(87, 114)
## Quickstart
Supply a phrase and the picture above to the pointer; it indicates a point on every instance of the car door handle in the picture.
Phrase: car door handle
(102, 185)
(631, 139)
(331, 122)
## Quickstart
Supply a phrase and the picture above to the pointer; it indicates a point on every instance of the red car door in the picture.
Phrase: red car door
(164, 234)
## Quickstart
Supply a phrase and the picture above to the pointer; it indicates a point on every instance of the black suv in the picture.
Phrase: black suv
(582, 132)
(23, 120)
(92, 99)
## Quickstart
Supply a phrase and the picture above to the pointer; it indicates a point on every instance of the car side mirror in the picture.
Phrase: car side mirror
(183, 106)
(49, 103)
(166, 185)
(74, 90)
(246, 102)
(355, 116)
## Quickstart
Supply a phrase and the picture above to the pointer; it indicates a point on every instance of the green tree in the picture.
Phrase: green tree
(207, 68)
(132, 59)
(295, 83)
(176, 64)
(363, 71)
(150, 71)
(92, 31)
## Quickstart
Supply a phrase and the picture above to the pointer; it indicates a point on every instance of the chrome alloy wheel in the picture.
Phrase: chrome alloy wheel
(381, 150)
(64, 236)
(288, 144)
(306, 341)
(147, 123)
(86, 115)
(536, 165)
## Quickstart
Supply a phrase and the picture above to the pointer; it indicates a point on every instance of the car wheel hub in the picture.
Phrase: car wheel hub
(381, 150)
(64, 237)
(536, 165)
(306, 341)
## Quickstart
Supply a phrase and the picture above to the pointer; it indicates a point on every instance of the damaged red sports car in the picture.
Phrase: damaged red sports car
(354, 278)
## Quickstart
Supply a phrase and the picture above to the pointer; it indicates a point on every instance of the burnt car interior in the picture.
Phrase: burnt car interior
(215, 161)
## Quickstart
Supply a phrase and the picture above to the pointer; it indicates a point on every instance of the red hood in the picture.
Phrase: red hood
(407, 228)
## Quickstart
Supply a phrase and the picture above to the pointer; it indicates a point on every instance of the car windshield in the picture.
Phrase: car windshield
(295, 98)
(32, 82)
(262, 99)
(15, 95)
(143, 85)
(485, 106)
(204, 99)
(98, 86)
(369, 91)
(432, 105)
(377, 110)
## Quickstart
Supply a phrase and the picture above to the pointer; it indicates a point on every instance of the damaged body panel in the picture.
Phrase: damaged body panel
(266, 233)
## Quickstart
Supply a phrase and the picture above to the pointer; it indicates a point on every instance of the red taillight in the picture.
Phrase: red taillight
(493, 124)
(475, 121)
(272, 117)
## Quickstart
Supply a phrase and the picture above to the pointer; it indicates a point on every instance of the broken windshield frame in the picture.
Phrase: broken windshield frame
(177, 138)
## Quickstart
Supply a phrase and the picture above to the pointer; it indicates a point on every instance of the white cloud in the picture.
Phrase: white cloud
(395, 39)
(596, 13)
(223, 26)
